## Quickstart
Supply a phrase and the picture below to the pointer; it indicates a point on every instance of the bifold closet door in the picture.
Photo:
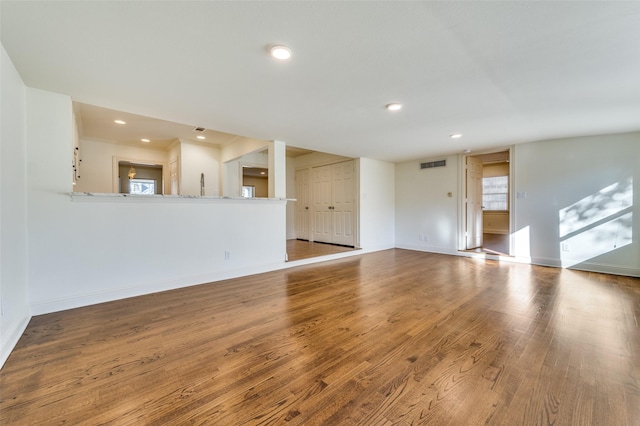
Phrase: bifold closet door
(334, 203)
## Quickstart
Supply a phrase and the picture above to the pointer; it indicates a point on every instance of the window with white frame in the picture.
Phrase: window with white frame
(142, 186)
(495, 193)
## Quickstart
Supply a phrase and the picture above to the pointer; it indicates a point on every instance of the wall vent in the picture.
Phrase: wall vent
(199, 129)
(432, 164)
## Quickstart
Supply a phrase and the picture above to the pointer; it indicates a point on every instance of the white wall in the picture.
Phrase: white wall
(75, 255)
(242, 146)
(426, 217)
(316, 159)
(232, 171)
(377, 204)
(600, 177)
(14, 300)
(196, 159)
(96, 168)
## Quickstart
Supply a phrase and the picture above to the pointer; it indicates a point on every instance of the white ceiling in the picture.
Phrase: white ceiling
(99, 124)
(498, 72)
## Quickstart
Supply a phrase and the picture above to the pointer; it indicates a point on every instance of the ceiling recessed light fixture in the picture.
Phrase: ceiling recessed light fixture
(200, 137)
(394, 106)
(145, 140)
(456, 136)
(119, 121)
(280, 52)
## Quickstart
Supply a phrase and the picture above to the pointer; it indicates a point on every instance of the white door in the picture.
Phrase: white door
(303, 205)
(473, 202)
(321, 204)
(343, 211)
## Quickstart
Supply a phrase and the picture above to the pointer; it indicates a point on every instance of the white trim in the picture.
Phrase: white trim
(462, 184)
(429, 249)
(9, 340)
(554, 263)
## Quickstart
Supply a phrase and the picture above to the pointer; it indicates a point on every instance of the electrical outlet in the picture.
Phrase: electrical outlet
(564, 247)
(227, 255)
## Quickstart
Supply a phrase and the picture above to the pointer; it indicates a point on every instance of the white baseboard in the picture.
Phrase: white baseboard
(556, 263)
(589, 267)
(428, 249)
(9, 340)
(138, 289)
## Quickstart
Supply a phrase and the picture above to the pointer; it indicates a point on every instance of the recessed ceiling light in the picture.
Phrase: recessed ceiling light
(455, 136)
(394, 106)
(145, 140)
(200, 137)
(119, 122)
(280, 52)
(263, 173)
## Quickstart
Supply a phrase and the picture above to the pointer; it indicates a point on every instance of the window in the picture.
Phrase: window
(495, 193)
(248, 191)
(142, 186)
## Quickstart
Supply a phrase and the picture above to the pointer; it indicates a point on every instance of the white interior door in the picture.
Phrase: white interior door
(322, 198)
(303, 205)
(343, 210)
(473, 202)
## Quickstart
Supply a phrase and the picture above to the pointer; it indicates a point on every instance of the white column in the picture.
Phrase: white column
(277, 170)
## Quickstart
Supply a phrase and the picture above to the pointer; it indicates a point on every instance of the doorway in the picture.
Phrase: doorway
(487, 202)
(255, 182)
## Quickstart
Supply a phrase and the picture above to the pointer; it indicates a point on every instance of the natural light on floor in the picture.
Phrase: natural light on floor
(597, 224)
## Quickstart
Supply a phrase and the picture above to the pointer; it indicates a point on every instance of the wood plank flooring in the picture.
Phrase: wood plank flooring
(496, 243)
(392, 337)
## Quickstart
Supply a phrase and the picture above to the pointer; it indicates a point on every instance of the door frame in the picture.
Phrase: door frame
(462, 187)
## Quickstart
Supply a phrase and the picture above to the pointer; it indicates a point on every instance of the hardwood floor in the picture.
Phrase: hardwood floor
(392, 337)
(299, 249)
(496, 243)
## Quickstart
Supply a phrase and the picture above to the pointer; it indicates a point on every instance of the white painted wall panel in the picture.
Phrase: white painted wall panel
(426, 217)
(566, 183)
(14, 302)
(377, 206)
(197, 159)
(75, 248)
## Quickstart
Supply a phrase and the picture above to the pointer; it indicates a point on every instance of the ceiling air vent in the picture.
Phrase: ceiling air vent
(199, 129)
(432, 164)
